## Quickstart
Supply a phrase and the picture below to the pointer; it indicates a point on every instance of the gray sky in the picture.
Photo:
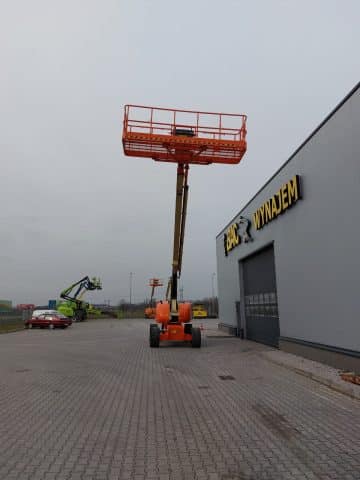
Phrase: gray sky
(71, 203)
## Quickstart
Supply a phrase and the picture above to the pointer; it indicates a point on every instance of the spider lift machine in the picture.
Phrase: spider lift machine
(182, 137)
(76, 291)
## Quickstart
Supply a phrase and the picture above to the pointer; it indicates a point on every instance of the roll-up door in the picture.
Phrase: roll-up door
(261, 308)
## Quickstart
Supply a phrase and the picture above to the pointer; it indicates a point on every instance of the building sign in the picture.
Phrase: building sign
(285, 198)
(236, 234)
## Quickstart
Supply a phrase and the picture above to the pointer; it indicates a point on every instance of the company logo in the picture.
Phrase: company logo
(284, 199)
(237, 233)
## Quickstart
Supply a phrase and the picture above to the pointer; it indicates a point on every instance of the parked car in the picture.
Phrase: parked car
(36, 313)
(48, 320)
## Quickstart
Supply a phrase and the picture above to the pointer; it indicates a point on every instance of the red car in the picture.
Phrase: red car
(48, 320)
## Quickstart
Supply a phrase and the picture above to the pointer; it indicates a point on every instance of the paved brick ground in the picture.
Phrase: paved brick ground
(94, 402)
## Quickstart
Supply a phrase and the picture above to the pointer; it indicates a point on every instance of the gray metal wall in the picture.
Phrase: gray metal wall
(316, 242)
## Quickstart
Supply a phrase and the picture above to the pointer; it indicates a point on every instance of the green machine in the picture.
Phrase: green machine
(74, 306)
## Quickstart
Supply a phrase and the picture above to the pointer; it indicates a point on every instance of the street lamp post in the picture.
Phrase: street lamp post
(213, 292)
(131, 275)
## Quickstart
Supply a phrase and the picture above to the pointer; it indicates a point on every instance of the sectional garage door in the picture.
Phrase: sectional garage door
(261, 309)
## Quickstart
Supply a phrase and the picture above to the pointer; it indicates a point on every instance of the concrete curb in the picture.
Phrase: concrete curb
(12, 330)
(209, 333)
(331, 379)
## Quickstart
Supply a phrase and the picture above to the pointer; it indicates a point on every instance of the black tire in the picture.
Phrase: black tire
(196, 337)
(80, 315)
(152, 325)
(154, 336)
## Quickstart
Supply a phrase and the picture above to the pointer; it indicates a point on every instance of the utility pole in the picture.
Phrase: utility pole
(131, 275)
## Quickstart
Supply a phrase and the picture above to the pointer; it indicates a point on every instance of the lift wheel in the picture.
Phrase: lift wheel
(154, 336)
(196, 337)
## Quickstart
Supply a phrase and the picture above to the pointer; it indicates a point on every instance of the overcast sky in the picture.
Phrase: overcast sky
(71, 203)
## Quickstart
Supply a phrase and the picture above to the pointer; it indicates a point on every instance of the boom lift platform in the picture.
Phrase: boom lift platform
(184, 137)
(83, 285)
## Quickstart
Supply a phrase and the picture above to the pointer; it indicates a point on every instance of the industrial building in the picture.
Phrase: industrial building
(288, 263)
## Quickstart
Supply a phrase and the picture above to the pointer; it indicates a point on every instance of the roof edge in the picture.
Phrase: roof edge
(302, 145)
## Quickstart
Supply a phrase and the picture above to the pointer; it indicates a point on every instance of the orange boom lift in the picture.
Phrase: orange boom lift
(150, 310)
(183, 137)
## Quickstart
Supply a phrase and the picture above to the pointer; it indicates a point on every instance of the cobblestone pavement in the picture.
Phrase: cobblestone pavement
(94, 402)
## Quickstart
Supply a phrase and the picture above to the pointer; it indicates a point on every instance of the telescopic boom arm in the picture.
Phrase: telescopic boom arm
(182, 189)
